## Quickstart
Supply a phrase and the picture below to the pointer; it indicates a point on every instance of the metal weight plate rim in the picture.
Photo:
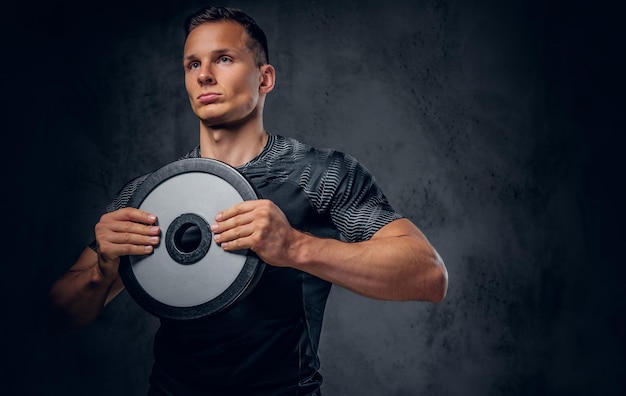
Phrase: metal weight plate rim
(246, 279)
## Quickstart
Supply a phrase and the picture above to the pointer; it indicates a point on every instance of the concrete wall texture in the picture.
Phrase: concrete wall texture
(492, 125)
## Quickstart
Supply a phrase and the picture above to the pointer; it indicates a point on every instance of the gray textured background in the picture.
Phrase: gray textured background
(493, 125)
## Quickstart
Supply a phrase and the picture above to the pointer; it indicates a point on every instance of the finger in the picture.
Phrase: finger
(127, 233)
(237, 244)
(233, 222)
(134, 215)
(113, 244)
(114, 250)
(127, 227)
(234, 234)
(236, 210)
(124, 238)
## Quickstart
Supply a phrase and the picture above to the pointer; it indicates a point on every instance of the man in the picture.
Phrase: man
(323, 220)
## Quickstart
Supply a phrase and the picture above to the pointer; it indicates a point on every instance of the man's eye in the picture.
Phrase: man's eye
(193, 65)
(224, 59)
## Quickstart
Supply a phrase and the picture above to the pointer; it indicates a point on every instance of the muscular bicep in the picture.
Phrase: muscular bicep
(399, 228)
(418, 260)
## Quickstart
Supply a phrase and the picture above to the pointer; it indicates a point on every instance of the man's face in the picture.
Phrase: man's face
(221, 74)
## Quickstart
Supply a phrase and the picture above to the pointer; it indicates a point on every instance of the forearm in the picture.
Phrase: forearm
(396, 263)
(404, 267)
(78, 296)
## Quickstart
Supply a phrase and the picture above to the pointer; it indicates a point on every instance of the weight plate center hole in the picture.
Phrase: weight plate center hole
(188, 238)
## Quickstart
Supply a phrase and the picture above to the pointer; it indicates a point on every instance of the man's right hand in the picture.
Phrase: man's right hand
(127, 231)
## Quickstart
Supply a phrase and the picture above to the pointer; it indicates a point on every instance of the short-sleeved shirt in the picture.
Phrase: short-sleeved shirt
(267, 341)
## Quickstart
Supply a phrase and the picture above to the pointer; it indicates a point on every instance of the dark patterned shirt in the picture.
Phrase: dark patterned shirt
(266, 343)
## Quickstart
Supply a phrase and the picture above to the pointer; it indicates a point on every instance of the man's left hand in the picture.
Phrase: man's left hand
(258, 225)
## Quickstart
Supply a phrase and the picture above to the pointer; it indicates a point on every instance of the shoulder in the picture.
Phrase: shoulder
(124, 195)
(322, 173)
(294, 151)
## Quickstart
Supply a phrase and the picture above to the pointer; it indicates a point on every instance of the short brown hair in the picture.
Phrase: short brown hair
(258, 40)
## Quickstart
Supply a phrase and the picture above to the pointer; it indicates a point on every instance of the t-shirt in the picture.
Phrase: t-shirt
(267, 341)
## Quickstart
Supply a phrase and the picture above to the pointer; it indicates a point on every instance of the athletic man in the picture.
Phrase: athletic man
(322, 221)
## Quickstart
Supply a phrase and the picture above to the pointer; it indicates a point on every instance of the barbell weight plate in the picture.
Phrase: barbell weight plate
(188, 275)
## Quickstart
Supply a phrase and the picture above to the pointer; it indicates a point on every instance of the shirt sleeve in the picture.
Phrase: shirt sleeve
(357, 205)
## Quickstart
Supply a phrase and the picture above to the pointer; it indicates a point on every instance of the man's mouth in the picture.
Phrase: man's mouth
(208, 97)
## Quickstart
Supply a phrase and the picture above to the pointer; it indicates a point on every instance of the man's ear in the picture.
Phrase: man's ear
(268, 79)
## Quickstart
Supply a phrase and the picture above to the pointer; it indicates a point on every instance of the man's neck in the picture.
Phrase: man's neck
(234, 147)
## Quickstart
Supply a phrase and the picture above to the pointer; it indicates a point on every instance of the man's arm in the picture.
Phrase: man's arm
(397, 263)
(79, 295)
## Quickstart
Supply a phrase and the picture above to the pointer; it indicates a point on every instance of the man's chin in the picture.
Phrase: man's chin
(224, 124)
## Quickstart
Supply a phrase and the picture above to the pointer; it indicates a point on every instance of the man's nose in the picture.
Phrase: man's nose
(206, 76)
